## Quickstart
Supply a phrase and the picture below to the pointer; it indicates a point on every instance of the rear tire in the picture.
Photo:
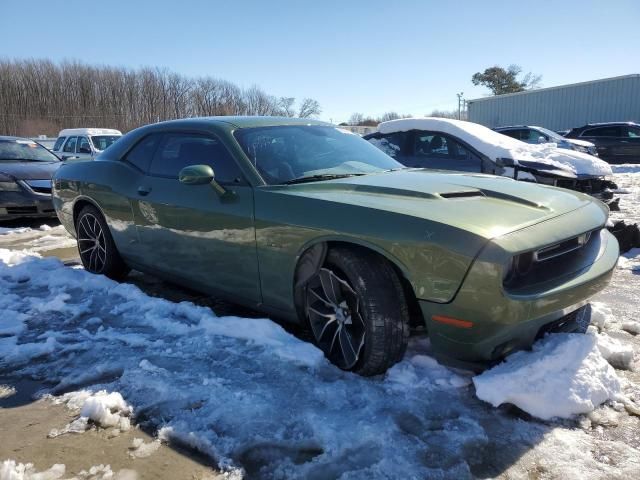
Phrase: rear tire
(96, 247)
(357, 311)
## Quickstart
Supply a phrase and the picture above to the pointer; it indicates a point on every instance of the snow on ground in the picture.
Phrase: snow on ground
(12, 470)
(263, 403)
(627, 177)
(36, 240)
(496, 145)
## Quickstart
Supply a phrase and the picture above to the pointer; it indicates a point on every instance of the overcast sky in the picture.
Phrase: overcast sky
(352, 56)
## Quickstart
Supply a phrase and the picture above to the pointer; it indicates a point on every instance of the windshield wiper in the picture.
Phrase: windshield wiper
(319, 177)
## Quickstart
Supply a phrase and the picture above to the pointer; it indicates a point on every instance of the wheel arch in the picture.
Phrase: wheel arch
(312, 256)
(80, 203)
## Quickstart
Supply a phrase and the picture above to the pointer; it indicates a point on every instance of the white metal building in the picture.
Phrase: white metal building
(613, 99)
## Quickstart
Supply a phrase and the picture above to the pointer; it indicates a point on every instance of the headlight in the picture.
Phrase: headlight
(9, 186)
(580, 148)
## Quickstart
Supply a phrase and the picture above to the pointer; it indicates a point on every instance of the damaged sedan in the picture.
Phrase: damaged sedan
(440, 143)
(312, 224)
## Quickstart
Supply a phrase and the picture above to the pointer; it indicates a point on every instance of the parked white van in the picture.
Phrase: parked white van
(84, 143)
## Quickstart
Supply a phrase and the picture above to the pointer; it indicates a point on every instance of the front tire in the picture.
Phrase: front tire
(357, 311)
(96, 247)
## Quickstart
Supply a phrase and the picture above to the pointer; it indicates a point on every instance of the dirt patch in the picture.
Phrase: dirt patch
(28, 425)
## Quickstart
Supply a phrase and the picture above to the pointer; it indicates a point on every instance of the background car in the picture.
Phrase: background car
(310, 223)
(440, 143)
(84, 143)
(617, 142)
(536, 135)
(25, 179)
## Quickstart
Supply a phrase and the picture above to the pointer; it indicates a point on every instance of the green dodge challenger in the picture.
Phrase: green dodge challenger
(312, 224)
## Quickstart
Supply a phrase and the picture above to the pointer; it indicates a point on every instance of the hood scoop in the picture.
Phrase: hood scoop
(463, 194)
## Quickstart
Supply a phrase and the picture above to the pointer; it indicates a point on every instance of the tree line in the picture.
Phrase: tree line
(43, 97)
(359, 119)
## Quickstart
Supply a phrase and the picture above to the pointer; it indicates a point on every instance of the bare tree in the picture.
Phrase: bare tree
(309, 108)
(39, 96)
(286, 105)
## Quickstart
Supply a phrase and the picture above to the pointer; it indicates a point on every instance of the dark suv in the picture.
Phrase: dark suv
(616, 142)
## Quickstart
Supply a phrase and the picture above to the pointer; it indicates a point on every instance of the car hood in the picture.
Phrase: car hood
(486, 205)
(582, 143)
(29, 170)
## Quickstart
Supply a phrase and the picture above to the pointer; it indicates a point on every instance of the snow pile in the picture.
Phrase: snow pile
(12, 470)
(563, 375)
(619, 355)
(140, 449)
(102, 408)
(496, 145)
(6, 391)
(630, 260)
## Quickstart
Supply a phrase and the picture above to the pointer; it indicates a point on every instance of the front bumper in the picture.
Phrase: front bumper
(503, 322)
(25, 204)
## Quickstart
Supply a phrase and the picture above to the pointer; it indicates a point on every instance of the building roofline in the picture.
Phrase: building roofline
(558, 87)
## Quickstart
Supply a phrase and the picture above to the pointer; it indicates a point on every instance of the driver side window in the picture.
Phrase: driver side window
(438, 151)
(179, 150)
(70, 146)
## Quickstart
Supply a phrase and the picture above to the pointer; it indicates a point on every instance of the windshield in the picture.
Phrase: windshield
(284, 153)
(102, 142)
(551, 134)
(25, 150)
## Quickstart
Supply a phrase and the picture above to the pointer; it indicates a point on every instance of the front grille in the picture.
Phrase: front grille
(21, 210)
(562, 248)
(553, 262)
(593, 186)
(42, 190)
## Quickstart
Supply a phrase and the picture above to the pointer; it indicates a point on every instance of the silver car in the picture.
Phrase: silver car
(533, 134)
(84, 143)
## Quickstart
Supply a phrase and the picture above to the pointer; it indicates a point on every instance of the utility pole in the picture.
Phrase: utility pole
(460, 100)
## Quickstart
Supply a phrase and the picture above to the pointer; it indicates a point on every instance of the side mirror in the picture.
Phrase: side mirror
(200, 175)
(542, 140)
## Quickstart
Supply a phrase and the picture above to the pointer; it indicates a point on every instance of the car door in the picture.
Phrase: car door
(69, 148)
(191, 232)
(630, 144)
(442, 152)
(83, 149)
(606, 139)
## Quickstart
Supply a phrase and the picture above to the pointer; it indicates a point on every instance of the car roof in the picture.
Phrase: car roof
(613, 124)
(515, 126)
(255, 121)
(88, 131)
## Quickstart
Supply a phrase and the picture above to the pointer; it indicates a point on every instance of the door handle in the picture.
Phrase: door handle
(143, 191)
